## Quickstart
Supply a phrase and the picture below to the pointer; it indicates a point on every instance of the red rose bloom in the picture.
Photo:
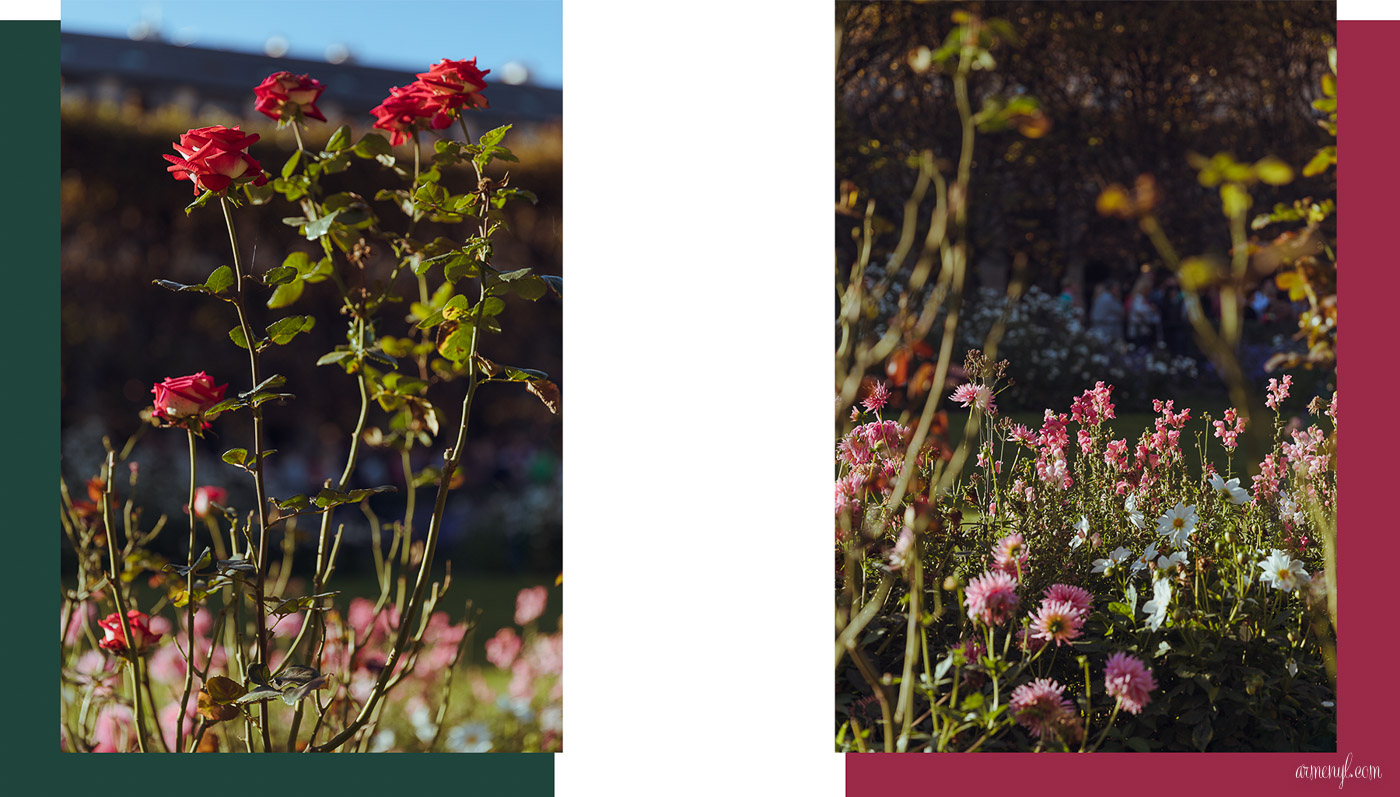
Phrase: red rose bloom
(281, 95)
(204, 496)
(187, 398)
(456, 84)
(213, 158)
(405, 106)
(141, 633)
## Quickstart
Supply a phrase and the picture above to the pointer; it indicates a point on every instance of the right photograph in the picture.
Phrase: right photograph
(1085, 382)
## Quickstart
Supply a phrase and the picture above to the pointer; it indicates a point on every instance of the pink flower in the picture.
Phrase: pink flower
(213, 158)
(407, 109)
(455, 84)
(1020, 434)
(522, 680)
(973, 395)
(1116, 454)
(1057, 621)
(187, 399)
(879, 395)
(114, 731)
(973, 650)
(204, 497)
(1086, 442)
(1094, 406)
(1230, 428)
(1278, 391)
(1129, 680)
(168, 715)
(1077, 597)
(547, 654)
(991, 597)
(1041, 706)
(141, 635)
(1011, 556)
(529, 604)
(502, 649)
(283, 96)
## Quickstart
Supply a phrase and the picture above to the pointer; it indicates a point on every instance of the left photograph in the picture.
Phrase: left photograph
(311, 379)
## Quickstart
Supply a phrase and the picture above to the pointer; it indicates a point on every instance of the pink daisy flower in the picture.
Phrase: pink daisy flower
(877, 398)
(1129, 680)
(1041, 706)
(1077, 597)
(1057, 621)
(1011, 556)
(991, 597)
(972, 395)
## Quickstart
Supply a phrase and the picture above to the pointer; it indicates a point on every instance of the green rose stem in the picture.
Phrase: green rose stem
(114, 578)
(257, 466)
(189, 607)
(450, 460)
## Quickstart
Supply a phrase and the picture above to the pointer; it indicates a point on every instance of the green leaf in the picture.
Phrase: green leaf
(335, 357)
(1120, 608)
(236, 456)
(279, 275)
(287, 293)
(291, 165)
(239, 339)
(1274, 171)
(381, 358)
(283, 330)
(434, 318)
(493, 137)
(220, 280)
(198, 203)
(1138, 744)
(258, 194)
(373, 145)
(529, 289)
(455, 308)
(276, 380)
(340, 139)
(492, 306)
(458, 345)
(260, 694)
(319, 227)
(1327, 156)
(1201, 735)
(297, 503)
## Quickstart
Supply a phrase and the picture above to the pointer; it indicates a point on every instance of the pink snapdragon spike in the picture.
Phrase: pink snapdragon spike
(1229, 429)
(991, 598)
(1278, 391)
(1093, 407)
(529, 604)
(1129, 680)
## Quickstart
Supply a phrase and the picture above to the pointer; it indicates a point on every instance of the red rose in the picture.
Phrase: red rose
(213, 158)
(456, 84)
(187, 398)
(283, 94)
(204, 496)
(141, 633)
(404, 107)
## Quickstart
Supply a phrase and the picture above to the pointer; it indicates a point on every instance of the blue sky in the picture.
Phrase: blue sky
(408, 34)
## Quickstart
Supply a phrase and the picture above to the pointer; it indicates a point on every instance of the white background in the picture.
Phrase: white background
(697, 395)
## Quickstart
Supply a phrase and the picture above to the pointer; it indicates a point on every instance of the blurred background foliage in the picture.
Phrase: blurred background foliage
(1080, 96)
(123, 225)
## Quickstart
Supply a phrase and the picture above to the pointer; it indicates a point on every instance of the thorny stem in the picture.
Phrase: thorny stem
(258, 482)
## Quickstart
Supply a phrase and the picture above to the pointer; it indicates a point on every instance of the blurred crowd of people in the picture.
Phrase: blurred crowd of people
(1152, 311)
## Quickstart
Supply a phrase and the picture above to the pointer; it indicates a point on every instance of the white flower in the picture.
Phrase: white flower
(1134, 516)
(382, 742)
(901, 554)
(1281, 572)
(1081, 533)
(1156, 608)
(474, 737)
(1230, 489)
(1177, 524)
(1175, 561)
(421, 720)
(1147, 556)
(1118, 557)
(1289, 510)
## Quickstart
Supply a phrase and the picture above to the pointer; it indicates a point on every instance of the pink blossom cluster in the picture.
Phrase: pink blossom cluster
(1271, 471)
(879, 395)
(1051, 465)
(1304, 454)
(974, 395)
(1129, 680)
(1116, 454)
(1278, 391)
(1093, 407)
(1230, 428)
